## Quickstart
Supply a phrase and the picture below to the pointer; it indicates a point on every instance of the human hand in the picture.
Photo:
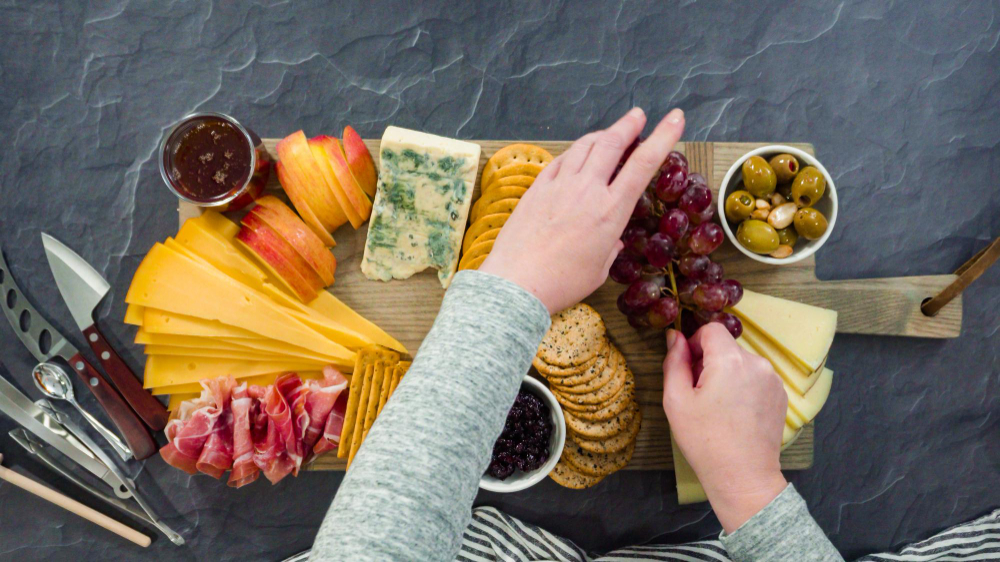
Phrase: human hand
(726, 408)
(562, 237)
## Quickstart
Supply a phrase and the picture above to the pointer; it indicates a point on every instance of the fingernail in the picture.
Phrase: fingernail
(636, 112)
(671, 338)
(675, 116)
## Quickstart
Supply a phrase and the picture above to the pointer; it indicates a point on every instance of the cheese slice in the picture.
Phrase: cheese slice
(170, 370)
(689, 489)
(789, 436)
(176, 399)
(148, 338)
(133, 315)
(807, 407)
(261, 346)
(331, 307)
(162, 322)
(424, 193)
(262, 380)
(168, 281)
(802, 331)
(791, 371)
(243, 354)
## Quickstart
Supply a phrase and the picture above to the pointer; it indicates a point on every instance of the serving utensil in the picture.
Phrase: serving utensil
(53, 381)
(73, 506)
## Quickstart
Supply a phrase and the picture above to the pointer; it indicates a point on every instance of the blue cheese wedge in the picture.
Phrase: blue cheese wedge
(424, 194)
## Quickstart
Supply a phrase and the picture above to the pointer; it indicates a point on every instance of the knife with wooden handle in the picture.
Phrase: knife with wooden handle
(82, 288)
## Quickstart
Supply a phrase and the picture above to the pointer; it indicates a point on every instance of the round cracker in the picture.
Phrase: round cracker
(505, 192)
(519, 169)
(613, 407)
(597, 464)
(553, 372)
(571, 376)
(516, 181)
(574, 336)
(485, 222)
(502, 206)
(602, 394)
(511, 154)
(568, 477)
(476, 250)
(490, 234)
(614, 443)
(601, 429)
(611, 367)
(474, 264)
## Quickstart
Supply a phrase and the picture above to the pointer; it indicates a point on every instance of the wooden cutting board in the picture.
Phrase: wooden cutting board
(890, 306)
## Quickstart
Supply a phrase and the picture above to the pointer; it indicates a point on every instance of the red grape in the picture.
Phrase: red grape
(731, 323)
(659, 250)
(710, 296)
(635, 239)
(639, 321)
(675, 159)
(694, 178)
(643, 207)
(705, 238)
(671, 184)
(685, 289)
(626, 309)
(694, 266)
(641, 294)
(674, 223)
(734, 291)
(657, 278)
(695, 199)
(704, 216)
(662, 313)
(647, 224)
(625, 269)
(713, 273)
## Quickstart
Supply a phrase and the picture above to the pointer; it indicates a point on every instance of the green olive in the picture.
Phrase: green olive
(787, 236)
(810, 223)
(785, 166)
(808, 187)
(758, 236)
(759, 177)
(739, 205)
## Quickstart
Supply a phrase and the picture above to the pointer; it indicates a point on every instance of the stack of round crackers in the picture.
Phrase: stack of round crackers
(589, 377)
(506, 177)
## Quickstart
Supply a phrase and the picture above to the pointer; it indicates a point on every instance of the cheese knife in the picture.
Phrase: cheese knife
(83, 288)
(46, 343)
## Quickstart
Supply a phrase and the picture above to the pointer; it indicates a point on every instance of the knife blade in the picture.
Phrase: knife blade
(82, 289)
(45, 343)
(19, 408)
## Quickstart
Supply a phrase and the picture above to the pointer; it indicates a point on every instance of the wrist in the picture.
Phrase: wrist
(519, 278)
(737, 500)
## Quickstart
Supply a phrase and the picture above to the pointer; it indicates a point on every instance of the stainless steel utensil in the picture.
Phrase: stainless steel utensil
(54, 382)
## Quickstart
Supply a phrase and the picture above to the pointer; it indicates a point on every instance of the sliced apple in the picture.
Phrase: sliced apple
(338, 161)
(359, 158)
(285, 222)
(307, 180)
(339, 192)
(279, 258)
(300, 205)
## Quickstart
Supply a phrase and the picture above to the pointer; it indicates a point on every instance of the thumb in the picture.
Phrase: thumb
(678, 379)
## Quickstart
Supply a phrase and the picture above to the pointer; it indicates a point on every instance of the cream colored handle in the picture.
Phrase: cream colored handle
(71, 505)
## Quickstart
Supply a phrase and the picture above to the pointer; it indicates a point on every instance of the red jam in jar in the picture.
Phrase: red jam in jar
(210, 160)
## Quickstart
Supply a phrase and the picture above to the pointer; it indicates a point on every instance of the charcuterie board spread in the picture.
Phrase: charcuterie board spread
(406, 309)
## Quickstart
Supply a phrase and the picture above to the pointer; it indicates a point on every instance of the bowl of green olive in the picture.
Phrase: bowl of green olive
(778, 204)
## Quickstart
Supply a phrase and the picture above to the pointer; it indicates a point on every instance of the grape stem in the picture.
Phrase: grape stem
(673, 285)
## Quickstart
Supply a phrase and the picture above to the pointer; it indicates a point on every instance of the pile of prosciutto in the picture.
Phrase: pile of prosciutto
(274, 429)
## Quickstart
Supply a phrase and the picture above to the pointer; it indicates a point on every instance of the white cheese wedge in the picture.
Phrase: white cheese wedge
(689, 489)
(421, 206)
(789, 370)
(804, 409)
(802, 331)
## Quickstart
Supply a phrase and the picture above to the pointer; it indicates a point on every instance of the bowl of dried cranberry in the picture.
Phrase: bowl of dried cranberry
(532, 440)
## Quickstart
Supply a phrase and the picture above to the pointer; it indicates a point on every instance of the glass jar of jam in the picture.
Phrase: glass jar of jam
(210, 160)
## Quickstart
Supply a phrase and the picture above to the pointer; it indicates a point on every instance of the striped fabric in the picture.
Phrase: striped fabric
(495, 536)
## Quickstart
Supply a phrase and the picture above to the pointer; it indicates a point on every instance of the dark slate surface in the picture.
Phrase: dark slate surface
(902, 101)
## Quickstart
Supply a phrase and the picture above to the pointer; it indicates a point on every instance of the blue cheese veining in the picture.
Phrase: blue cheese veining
(424, 194)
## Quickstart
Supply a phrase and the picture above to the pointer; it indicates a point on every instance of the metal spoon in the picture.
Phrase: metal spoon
(54, 382)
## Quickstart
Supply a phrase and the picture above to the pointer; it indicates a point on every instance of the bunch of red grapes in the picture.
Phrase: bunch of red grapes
(671, 280)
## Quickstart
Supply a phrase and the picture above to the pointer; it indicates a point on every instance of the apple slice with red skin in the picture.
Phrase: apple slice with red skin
(303, 208)
(279, 257)
(308, 181)
(359, 158)
(335, 153)
(276, 215)
(347, 203)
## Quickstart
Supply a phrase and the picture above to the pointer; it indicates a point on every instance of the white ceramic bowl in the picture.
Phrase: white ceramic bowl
(522, 480)
(827, 205)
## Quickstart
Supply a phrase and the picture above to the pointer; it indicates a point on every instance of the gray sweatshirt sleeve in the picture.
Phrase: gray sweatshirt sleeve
(409, 492)
(783, 530)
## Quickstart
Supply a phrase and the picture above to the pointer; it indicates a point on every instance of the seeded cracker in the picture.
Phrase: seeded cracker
(614, 407)
(568, 477)
(574, 337)
(597, 464)
(601, 429)
(553, 373)
(612, 444)
(611, 369)
(602, 394)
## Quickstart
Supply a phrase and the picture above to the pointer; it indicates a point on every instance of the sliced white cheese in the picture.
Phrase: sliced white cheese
(421, 206)
(689, 489)
(789, 436)
(807, 407)
(789, 370)
(802, 331)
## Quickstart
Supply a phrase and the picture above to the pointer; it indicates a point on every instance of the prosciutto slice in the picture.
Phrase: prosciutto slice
(255, 429)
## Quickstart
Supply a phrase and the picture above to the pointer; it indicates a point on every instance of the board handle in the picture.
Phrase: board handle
(148, 407)
(969, 272)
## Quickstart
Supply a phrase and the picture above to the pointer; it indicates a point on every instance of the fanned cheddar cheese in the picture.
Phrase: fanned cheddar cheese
(169, 281)
(258, 345)
(243, 355)
(332, 307)
(168, 370)
(133, 315)
(802, 331)
(162, 322)
(176, 399)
